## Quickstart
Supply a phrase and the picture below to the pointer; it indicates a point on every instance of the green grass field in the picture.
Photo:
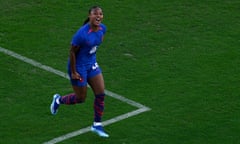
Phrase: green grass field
(180, 58)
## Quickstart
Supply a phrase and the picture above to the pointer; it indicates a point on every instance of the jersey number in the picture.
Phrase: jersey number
(95, 66)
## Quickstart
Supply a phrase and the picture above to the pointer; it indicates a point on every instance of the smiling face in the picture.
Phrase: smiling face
(95, 17)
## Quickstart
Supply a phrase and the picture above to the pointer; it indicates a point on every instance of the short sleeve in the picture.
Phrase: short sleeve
(77, 39)
(104, 29)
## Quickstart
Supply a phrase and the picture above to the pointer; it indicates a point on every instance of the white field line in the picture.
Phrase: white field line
(141, 108)
(87, 129)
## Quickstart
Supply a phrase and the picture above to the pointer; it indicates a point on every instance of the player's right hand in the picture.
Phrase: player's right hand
(76, 75)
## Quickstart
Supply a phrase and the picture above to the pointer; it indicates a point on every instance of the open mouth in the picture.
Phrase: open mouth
(98, 20)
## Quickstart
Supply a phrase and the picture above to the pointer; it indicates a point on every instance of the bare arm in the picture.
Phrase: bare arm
(73, 51)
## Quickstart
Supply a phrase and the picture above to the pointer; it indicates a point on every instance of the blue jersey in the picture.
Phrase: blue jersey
(88, 41)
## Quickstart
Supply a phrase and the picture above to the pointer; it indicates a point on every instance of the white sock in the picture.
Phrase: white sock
(97, 123)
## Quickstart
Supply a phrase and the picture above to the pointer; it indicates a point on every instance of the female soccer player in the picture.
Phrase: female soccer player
(83, 68)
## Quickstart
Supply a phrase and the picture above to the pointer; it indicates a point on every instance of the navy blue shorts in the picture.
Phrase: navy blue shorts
(86, 71)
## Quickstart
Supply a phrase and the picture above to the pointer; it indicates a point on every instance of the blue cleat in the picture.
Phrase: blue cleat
(99, 130)
(54, 105)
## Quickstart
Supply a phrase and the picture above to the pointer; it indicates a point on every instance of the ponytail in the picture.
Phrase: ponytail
(86, 21)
